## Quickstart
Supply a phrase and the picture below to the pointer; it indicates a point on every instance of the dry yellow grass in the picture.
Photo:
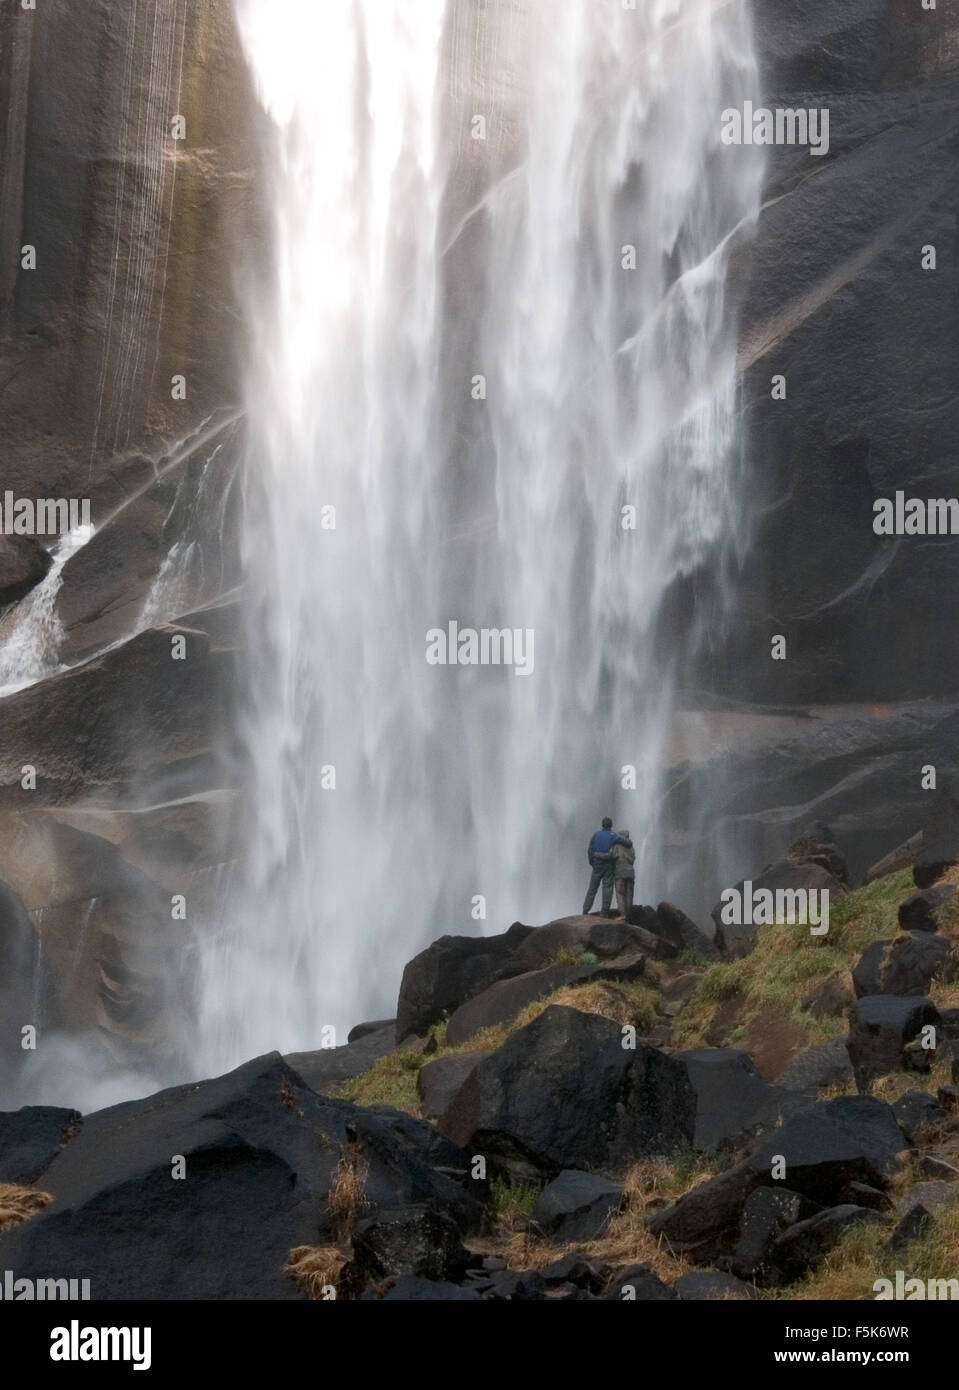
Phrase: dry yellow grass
(315, 1269)
(18, 1204)
(346, 1198)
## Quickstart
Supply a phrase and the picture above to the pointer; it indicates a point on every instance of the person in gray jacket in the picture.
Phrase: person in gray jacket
(624, 857)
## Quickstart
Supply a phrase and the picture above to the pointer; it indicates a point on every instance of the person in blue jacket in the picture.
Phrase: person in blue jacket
(601, 863)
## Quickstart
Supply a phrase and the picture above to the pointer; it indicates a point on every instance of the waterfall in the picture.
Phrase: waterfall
(491, 381)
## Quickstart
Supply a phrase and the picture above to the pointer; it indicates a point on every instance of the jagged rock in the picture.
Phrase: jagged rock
(948, 1098)
(934, 1195)
(824, 852)
(860, 1194)
(939, 846)
(904, 965)
(563, 1092)
(587, 1273)
(767, 1212)
(735, 940)
(450, 971)
(918, 913)
(501, 1002)
(260, 1151)
(825, 1146)
(328, 1066)
(711, 1285)
(880, 1026)
(409, 1240)
(23, 563)
(640, 1284)
(802, 1246)
(937, 1169)
(913, 1111)
(685, 931)
(733, 1100)
(576, 1206)
(831, 997)
(438, 1082)
(911, 1225)
(409, 1161)
(360, 1030)
(518, 1285)
(30, 1140)
(824, 1064)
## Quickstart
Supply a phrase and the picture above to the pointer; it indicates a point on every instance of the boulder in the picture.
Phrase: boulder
(913, 1224)
(733, 1100)
(880, 1027)
(518, 1286)
(683, 931)
(564, 1092)
(640, 1284)
(831, 997)
(939, 846)
(710, 1285)
(260, 1150)
(546, 1100)
(824, 1146)
(802, 1246)
(739, 939)
(360, 1030)
(409, 1161)
(809, 849)
(767, 1212)
(501, 1002)
(30, 1140)
(437, 1083)
(919, 913)
(576, 1269)
(905, 965)
(576, 1206)
(450, 971)
(23, 563)
(913, 1111)
(408, 1240)
(824, 1064)
(327, 1067)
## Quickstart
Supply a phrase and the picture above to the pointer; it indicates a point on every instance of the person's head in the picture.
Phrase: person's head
(623, 834)
(607, 822)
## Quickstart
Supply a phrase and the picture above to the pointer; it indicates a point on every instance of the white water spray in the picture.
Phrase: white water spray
(459, 353)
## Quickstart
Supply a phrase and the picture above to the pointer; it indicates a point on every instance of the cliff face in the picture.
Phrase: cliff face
(140, 245)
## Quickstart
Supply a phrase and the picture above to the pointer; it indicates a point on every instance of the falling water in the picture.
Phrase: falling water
(459, 353)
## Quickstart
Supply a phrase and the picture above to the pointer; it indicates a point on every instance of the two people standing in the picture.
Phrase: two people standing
(611, 858)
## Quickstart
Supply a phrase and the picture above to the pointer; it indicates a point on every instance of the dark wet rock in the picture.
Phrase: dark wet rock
(880, 1027)
(824, 1064)
(31, 1138)
(919, 913)
(576, 1206)
(437, 1083)
(449, 972)
(408, 1240)
(802, 1246)
(914, 1110)
(733, 1100)
(710, 1285)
